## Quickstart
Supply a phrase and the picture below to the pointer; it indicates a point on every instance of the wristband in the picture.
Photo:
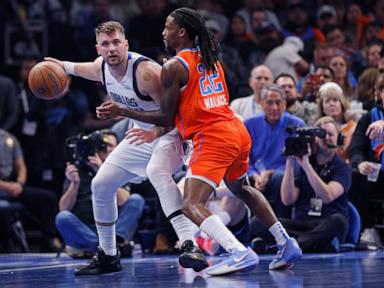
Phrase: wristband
(69, 67)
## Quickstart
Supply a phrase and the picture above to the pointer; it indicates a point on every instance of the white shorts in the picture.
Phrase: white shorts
(134, 158)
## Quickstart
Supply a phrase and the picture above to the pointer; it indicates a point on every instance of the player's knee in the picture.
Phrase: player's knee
(98, 185)
(156, 173)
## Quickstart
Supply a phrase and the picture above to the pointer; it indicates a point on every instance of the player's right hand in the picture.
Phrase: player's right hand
(57, 61)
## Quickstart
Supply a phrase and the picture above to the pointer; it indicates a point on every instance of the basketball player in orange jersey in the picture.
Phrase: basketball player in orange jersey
(196, 99)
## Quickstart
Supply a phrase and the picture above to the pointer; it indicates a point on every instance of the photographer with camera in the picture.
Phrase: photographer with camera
(268, 134)
(75, 220)
(316, 181)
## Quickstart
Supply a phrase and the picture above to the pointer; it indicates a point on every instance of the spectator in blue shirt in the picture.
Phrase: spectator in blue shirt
(268, 132)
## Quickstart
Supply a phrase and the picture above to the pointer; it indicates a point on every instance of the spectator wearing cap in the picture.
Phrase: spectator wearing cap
(286, 58)
(326, 16)
(234, 67)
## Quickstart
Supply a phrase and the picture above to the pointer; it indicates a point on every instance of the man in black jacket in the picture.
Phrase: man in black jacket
(367, 147)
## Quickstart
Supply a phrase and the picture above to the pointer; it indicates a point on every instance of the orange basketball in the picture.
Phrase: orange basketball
(48, 81)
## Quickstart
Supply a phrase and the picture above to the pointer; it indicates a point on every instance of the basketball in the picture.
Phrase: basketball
(48, 81)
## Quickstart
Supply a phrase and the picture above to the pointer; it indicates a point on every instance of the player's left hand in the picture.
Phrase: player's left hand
(139, 136)
(107, 110)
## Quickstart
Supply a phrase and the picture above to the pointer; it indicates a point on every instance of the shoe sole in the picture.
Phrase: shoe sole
(98, 271)
(250, 266)
(287, 265)
(191, 260)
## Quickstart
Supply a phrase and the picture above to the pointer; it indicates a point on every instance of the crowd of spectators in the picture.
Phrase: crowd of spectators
(293, 62)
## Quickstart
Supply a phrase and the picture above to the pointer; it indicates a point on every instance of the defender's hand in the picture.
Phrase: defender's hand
(139, 136)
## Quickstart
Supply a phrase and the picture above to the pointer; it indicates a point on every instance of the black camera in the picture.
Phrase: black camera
(297, 145)
(84, 145)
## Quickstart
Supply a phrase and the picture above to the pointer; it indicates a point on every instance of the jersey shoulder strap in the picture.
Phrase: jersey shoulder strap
(135, 86)
(103, 75)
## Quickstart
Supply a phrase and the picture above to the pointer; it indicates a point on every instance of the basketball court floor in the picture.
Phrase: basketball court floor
(353, 269)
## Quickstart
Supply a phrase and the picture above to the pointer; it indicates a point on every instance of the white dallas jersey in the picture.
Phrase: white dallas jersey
(125, 93)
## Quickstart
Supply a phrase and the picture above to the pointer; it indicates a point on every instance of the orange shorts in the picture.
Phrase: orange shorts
(220, 151)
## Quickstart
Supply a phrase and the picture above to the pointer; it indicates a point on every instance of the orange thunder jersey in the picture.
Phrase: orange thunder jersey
(204, 99)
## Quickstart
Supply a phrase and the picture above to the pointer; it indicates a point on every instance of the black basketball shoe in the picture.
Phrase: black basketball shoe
(192, 257)
(100, 264)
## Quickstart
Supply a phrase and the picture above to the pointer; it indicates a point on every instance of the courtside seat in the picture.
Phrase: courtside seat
(16, 231)
(353, 235)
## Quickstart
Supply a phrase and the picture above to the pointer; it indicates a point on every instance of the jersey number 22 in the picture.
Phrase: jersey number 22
(209, 84)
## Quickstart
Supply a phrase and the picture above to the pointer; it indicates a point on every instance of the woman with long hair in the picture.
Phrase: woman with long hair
(333, 103)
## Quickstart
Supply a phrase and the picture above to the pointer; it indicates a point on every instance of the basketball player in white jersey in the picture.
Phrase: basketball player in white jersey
(132, 81)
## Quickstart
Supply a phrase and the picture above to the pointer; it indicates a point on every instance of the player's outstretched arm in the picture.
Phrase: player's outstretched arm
(87, 70)
(173, 76)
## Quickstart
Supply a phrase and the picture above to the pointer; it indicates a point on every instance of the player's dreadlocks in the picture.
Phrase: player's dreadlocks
(194, 23)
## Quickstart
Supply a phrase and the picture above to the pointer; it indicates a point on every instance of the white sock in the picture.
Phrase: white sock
(107, 239)
(279, 233)
(183, 228)
(215, 228)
